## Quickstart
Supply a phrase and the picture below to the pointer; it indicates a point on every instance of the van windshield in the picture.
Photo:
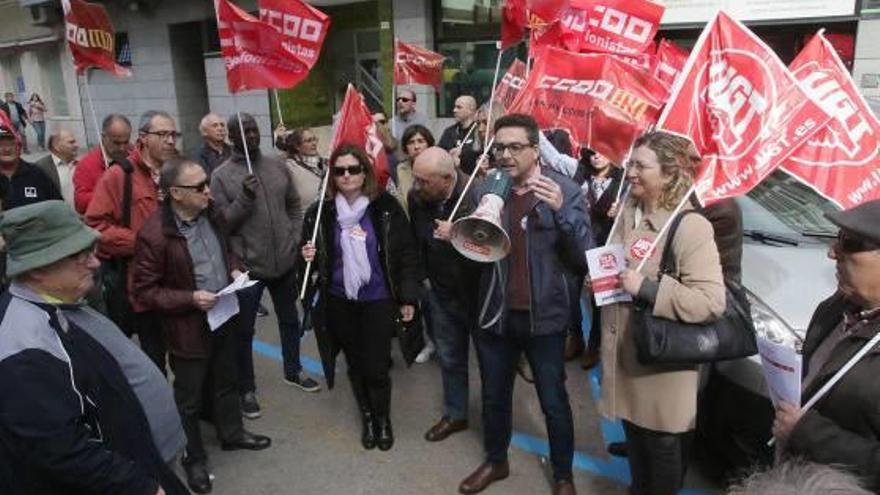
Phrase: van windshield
(782, 205)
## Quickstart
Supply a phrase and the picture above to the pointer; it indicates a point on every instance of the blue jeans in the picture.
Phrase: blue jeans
(40, 130)
(283, 292)
(498, 356)
(452, 331)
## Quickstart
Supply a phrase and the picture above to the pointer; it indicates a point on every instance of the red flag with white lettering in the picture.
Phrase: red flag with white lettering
(90, 37)
(601, 101)
(612, 26)
(256, 54)
(303, 27)
(670, 61)
(840, 161)
(416, 65)
(355, 125)
(741, 107)
(511, 84)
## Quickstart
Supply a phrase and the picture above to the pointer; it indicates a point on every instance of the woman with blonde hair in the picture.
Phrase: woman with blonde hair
(658, 403)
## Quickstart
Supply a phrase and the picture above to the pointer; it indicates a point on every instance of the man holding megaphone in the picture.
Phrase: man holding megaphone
(525, 297)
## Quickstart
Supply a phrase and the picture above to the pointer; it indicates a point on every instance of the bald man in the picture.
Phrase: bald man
(60, 163)
(215, 150)
(465, 112)
(437, 185)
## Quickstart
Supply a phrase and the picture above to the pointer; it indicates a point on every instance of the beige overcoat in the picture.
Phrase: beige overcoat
(661, 398)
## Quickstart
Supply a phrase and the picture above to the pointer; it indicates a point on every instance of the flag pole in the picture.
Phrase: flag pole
(247, 153)
(302, 292)
(471, 178)
(278, 106)
(95, 120)
(394, 96)
(494, 84)
(684, 201)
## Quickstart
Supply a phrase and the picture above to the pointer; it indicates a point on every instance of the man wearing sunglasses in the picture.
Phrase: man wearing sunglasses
(842, 428)
(182, 261)
(407, 114)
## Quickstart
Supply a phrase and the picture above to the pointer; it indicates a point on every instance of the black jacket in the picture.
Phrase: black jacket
(844, 426)
(599, 219)
(397, 252)
(28, 185)
(210, 159)
(22, 115)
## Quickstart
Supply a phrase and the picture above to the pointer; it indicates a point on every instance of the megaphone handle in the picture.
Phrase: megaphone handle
(470, 181)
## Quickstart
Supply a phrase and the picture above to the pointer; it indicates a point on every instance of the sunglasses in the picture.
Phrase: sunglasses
(850, 244)
(352, 170)
(200, 187)
(404, 99)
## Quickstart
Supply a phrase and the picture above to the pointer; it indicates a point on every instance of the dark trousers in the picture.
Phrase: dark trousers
(218, 371)
(594, 342)
(283, 291)
(498, 356)
(363, 330)
(452, 331)
(146, 326)
(657, 460)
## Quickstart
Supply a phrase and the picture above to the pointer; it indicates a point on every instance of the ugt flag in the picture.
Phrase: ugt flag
(303, 27)
(355, 125)
(415, 65)
(741, 107)
(256, 54)
(840, 161)
(601, 101)
(90, 37)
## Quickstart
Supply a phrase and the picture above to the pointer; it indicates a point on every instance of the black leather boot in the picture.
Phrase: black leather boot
(368, 436)
(384, 435)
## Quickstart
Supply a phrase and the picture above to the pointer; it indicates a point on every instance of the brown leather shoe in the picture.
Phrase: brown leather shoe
(564, 488)
(574, 345)
(484, 476)
(444, 428)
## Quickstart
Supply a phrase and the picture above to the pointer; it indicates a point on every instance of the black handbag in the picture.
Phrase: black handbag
(663, 341)
(410, 336)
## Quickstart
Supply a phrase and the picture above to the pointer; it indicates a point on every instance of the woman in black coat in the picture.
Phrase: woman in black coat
(366, 271)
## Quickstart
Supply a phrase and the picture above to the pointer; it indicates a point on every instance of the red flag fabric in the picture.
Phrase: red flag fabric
(90, 37)
(514, 20)
(303, 26)
(6, 122)
(355, 125)
(416, 65)
(612, 26)
(601, 101)
(741, 107)
(511, 84)
(255, 53)
(840, 161)
(670, 61)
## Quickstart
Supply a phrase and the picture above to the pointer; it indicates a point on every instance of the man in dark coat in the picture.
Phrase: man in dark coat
(181, 261)
(843, 428)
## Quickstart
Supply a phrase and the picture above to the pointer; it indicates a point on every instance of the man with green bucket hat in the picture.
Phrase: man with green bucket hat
(70, 419)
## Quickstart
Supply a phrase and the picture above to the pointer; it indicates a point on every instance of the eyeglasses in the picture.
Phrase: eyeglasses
(404, 99)
(163, 135)
(515, 149)
(200, 187)
(352, 170)
(847, 243)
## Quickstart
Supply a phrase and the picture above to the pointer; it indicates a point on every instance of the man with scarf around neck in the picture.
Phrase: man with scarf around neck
(367, 274)
(156, 142)
(263, 214)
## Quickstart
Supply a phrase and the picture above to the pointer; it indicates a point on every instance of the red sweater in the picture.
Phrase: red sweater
(86, 175)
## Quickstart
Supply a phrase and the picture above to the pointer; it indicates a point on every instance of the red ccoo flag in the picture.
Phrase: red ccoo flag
(256, 54)
(840, 161)
(741, 107)
(511, 84)
(90, 37)
(415, 65)
(355, 125)
(670, 61)
(303, 27)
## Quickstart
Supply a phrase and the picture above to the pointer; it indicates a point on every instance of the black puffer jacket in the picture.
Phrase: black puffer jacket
(397, 252)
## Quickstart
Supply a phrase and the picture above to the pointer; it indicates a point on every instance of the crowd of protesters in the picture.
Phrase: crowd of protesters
(134, 239)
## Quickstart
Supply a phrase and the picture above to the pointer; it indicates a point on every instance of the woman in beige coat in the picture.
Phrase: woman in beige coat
(658, 404)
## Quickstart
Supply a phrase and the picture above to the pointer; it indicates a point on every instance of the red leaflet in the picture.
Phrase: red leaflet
(840, 161)
(415, 65)
(354, 125)
(90, 37)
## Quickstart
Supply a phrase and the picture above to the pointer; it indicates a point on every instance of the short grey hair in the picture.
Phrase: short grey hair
(146, 122)
(798, 477)
(204, 122)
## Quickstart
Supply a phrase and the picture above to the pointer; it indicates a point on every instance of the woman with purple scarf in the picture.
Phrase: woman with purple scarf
(366, 277)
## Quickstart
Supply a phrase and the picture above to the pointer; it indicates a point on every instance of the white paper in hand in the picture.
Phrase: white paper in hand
(227, 302)
(782, 370)
(605, 264)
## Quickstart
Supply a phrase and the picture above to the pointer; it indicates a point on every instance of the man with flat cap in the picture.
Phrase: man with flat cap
(83, 410)
(843, 428)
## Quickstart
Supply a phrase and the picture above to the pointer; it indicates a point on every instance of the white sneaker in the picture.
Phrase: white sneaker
(426, 353)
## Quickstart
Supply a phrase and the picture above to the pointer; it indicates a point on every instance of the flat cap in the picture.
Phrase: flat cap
(862, 220)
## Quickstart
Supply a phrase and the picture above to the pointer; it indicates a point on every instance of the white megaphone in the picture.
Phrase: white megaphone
(480, 237)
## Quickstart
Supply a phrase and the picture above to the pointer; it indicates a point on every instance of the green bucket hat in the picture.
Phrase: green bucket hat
(41, 234)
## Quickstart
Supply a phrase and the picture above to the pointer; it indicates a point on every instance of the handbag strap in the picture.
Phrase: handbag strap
(667, 261)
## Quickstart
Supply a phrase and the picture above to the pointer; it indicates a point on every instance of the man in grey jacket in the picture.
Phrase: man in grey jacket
(265, 221)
